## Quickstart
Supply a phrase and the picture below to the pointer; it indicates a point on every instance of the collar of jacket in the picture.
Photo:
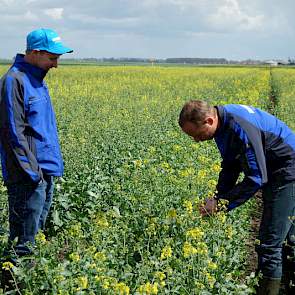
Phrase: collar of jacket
(20, 63)
(222, 120)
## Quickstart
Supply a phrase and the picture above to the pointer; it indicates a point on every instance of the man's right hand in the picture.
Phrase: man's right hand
(209, 208)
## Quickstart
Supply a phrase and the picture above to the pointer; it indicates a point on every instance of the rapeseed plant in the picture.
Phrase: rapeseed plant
(166, 253)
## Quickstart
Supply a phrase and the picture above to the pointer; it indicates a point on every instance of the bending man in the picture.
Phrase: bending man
(263, 148)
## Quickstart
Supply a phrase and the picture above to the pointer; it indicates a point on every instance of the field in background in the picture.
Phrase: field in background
(125, 217)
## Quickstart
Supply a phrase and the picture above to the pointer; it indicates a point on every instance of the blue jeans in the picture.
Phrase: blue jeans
(277, 231)
(29, 205)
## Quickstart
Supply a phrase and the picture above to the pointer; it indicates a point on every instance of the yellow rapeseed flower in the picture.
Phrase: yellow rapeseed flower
(105, 281)
(121, 289)
(152, 229)
(7, 265)
(102, 222)
(202, 159)
(221, 216)
(58, 278)
(229, 232)
(220, 252)
(210, 279)
(165, 167)
(166, 252)
(188, 206)
(172, 214)
(148, 289)
(82, 281)
(199, 286)
(212, 184)
(202, 174)
(222, 204)
(195, 146)
(75, 257)
(138, 163)
(160, 275)
(186, 172)
(100, 256)
(75, 230)
(202, 248)
(195, 233)
(177, 148)
(152, 150)
(92, 266)
(40, 238)
(212, 265)
(188, 250)
(216, 167)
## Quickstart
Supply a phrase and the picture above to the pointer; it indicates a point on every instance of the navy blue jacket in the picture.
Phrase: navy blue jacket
(28, 134)
(256, 143)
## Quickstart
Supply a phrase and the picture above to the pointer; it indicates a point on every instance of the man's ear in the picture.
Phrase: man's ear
(209, 121)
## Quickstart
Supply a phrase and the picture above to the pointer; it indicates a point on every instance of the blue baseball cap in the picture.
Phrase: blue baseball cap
(48, 40)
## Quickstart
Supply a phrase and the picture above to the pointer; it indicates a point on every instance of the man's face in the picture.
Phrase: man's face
(46, 60)
(200, 132)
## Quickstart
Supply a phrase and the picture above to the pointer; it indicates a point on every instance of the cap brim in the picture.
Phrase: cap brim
(59, 50)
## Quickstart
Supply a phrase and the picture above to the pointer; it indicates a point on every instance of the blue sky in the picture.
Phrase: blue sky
(233, 29)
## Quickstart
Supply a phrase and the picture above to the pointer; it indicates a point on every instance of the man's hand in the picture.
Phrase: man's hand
(209, 207)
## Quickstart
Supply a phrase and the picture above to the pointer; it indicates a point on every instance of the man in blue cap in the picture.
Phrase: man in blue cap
(29, 146)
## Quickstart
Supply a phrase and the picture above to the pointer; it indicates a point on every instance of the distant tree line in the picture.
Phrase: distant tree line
(154, 60)
(181, 60)
(176, 60)
(197, 60)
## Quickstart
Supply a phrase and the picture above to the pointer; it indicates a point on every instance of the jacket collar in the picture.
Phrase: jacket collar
(20, 63)
(222, 120)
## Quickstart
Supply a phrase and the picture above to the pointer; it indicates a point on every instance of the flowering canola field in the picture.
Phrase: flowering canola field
(125, 218)
(283, 81)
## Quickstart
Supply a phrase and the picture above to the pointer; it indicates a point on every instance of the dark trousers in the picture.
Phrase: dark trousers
(29, 205)
(277, 230)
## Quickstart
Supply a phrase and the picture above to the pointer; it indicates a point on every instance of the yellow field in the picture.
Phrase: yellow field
(125, 218)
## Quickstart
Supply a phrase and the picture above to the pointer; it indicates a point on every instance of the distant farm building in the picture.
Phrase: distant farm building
(271, 62)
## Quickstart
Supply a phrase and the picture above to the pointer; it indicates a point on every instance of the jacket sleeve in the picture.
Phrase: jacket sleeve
(15, 122)
(246, 159)
(228, 176)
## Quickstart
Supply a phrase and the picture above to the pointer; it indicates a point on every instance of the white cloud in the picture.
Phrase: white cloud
(120, 21)
(84, 18)
(156, 27)
(174, 5)
(20, 18)
(30, 16)
(229, 16)
(124, 21)
(183, 3)
(198, 34)
(7, 2)
(54, 13)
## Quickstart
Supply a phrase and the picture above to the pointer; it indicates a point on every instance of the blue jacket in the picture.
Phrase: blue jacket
(256, 143)
(29, 143)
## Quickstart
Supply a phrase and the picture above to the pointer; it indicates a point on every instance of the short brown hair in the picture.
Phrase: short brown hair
(195, 111)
